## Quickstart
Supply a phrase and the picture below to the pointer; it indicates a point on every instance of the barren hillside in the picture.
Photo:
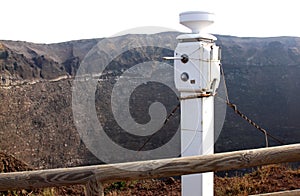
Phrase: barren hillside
(36, 119)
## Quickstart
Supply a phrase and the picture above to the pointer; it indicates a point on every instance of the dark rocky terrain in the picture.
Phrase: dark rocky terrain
(36, 120)
(262, 76)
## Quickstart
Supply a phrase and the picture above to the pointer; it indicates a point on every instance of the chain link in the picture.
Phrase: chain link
(231, 105)
(238, 112)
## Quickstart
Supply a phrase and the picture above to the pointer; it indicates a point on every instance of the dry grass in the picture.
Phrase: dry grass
(265, 179)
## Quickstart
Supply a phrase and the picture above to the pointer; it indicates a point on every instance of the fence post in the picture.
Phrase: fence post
(94, 188)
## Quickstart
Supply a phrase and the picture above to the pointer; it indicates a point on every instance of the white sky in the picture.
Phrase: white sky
(48, 21)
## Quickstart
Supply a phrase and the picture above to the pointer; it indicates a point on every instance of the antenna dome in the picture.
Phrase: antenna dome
(196, 20)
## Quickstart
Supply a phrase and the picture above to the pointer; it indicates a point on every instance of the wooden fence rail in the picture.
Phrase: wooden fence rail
(92, 175)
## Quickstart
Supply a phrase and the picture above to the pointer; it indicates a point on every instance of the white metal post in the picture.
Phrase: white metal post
(197, 76)
(197, 137)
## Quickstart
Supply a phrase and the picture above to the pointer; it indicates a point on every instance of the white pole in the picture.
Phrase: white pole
(197, 76)
(197, 129)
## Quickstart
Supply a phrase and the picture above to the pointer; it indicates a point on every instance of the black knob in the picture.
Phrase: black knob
(184, 58)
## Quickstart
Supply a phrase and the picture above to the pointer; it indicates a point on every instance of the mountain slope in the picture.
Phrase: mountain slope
(36, 119)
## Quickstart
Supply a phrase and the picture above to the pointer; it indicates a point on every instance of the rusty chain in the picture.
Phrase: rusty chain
(231, 105)
(238, 112)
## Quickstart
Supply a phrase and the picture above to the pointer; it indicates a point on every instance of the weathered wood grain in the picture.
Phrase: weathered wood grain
(94, 188)
(150, 169)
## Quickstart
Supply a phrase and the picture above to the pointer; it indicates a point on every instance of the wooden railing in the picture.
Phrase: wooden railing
(93, 176)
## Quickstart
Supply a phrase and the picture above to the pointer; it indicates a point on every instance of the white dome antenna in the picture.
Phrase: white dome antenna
(196, 20)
